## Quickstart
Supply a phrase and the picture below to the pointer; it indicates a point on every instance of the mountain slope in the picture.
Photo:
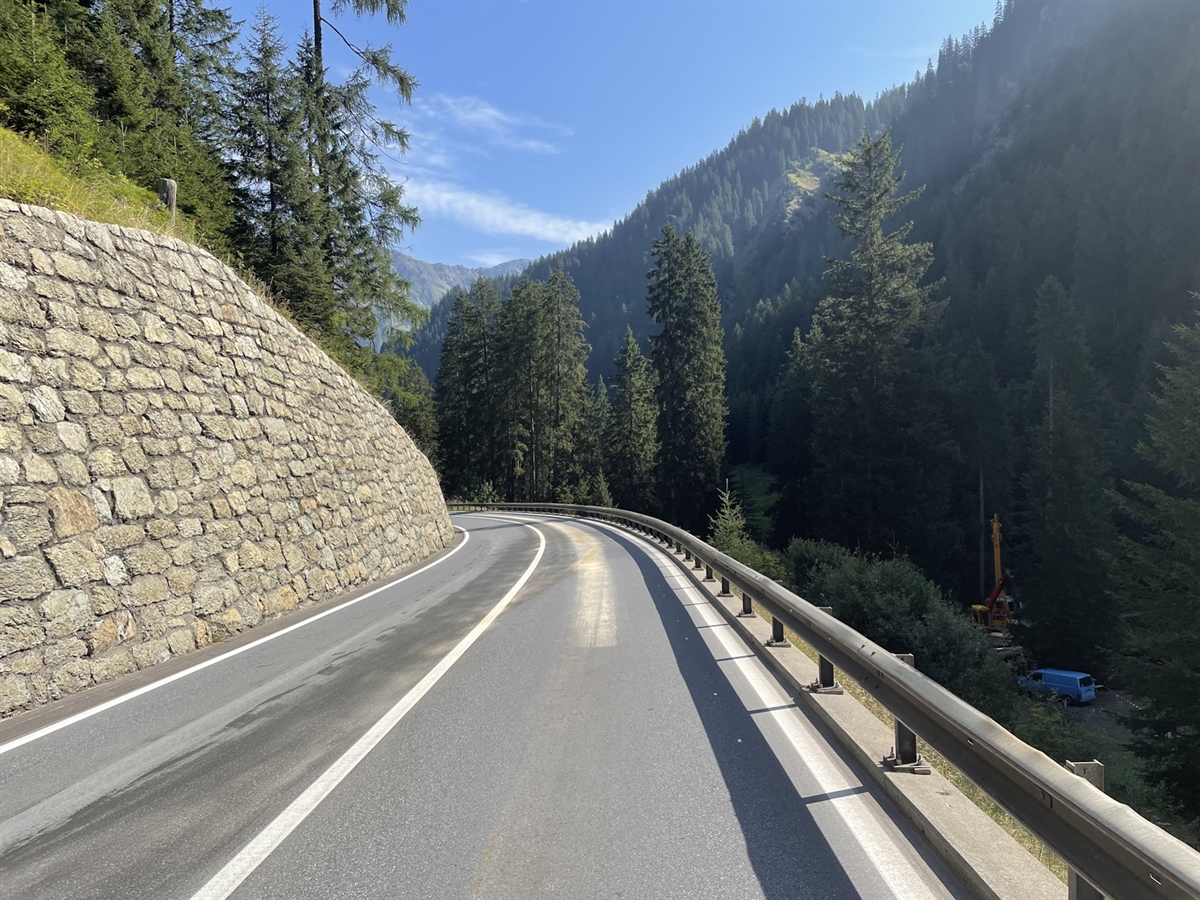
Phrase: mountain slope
(982, 112)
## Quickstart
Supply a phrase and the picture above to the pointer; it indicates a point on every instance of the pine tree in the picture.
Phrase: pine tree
(583, 478)
(567, 394)
(631, 432)
(789, 446)
(882, 452)
(366, 210)
(1158, 582)
(127, 52)
(690, 363)
(41, 95)
(525, 409)
(403, 388)
(1066, 513)
(279, 217)
(362, 213)
(468, 393)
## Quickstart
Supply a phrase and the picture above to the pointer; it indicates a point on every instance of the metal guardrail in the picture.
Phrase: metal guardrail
(1117, 851)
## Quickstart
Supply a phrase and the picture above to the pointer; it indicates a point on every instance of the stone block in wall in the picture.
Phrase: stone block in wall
(71, 512)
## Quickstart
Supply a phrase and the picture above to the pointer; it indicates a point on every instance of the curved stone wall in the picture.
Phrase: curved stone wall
(177, 461)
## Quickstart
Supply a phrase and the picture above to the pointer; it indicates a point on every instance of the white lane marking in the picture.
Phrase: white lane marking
(163, 682)
(252, 855)
(855, 809)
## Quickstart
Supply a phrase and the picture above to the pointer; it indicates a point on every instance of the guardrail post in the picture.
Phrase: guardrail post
(826, 683)
(747, 602)
(1078, 888)
(698, 564)
(724, 587)
(904, 756)
(707, 572)
(687, 554)
(777, 638)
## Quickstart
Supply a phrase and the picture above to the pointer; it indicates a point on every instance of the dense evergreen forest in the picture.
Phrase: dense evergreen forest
(974, 295)
(277, 165)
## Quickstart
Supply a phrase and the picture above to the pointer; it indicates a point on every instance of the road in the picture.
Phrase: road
(547, 710)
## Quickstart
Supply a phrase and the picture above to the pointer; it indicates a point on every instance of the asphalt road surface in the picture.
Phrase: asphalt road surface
(547, 710)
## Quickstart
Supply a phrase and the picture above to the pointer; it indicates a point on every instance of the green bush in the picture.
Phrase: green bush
(890, 601)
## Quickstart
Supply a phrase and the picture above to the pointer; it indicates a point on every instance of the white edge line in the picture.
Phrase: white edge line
(226, 881)
(191, 670)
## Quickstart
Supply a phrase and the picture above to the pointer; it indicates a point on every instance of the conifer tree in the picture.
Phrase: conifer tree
(41, 95)
(882, 452)
(631, 430)
(148, 113)
(690, 363)
(403, 388)
(279, 215)
(362, 213)
(583, 478)
(467, 393)
(1158, 583)
(567, 394)
(521, 336)
(1065, 512)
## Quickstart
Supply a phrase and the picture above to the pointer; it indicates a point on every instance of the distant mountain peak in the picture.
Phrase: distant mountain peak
(431, 280)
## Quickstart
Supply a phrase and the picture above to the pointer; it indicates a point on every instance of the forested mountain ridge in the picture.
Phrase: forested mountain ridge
(757, 205)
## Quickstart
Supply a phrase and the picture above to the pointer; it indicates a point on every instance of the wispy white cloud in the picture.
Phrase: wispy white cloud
(920, 53)
(494, 213)
(488, 258)
(499, 128)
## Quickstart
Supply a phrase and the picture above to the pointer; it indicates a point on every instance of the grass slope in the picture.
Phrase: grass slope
(29, 175)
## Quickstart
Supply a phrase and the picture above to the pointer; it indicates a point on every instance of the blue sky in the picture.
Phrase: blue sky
(539, 123)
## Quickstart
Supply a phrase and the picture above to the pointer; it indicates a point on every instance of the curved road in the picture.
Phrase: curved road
(548, 709)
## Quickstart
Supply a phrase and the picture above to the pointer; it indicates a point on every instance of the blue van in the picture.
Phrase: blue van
(1074, 687)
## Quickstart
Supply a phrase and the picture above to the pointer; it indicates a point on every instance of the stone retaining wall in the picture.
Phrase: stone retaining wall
(177, 461)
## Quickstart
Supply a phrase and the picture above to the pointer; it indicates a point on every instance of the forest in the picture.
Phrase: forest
(974, 295)
(837, 347)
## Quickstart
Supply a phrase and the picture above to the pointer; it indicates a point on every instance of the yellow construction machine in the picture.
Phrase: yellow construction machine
(997, 611)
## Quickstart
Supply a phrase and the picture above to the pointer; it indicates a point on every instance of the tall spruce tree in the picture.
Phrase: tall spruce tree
(1158, 583)
(467, 393)
(690, 363)
(367, 213)
(631, 433)
(521, 335)
(882, 451)
(1066, 513)
(567, 393)
(362, 212)
(279, 220)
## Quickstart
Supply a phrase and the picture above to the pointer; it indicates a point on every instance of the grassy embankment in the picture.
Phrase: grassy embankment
(28, 175)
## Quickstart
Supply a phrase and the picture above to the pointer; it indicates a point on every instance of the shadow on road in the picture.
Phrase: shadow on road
(790, 855)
